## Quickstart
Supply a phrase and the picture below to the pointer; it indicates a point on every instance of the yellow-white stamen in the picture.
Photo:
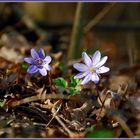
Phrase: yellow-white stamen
(91, 70)
(39, 61)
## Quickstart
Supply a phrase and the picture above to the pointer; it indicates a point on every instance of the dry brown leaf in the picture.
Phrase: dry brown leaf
(10, 54)
(14, 39)
(122, 80)
(135, 100)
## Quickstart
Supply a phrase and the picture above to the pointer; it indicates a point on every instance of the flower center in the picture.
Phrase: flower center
(39, 61)
(91, 70)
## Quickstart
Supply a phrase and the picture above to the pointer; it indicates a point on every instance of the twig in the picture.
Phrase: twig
(63, 125)
(98, 94)
(77, 30)
(28, 21)
(44, 97)
(131, 44)
(54, 113)
(98, 18)
(131, 36)
(102, 105)
(59, 120)
(124, 126)
(36, 98)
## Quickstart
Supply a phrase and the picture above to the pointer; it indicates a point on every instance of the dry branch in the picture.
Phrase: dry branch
(98, 18)
(77, 30)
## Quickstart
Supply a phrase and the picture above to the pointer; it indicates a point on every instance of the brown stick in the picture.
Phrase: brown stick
(36, 98)
(77, 30)
(124, 126)
(60, 121)
(44, 97)
(98, 18)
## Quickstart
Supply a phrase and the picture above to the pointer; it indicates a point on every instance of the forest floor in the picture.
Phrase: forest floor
(33, 106)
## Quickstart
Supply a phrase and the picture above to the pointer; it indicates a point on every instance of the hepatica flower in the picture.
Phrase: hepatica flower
(38, 62)
(93, 67)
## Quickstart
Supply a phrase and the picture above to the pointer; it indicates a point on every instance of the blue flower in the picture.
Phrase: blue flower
(92, 68)
(38, 62)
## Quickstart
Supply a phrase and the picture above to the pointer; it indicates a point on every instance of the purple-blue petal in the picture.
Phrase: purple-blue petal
(41, 53)
(81, 75)
(102, 69)
(29, 60)
(87, 59)
(86, 79)
(95, 78)
(80, 67)
(101, 62)
(47, 67)
(34, 54)
(96, 57)
(32, 69)
(43, 71)
(47, 59)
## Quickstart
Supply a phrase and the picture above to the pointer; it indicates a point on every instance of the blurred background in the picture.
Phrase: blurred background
(112, 28)
(64, 31)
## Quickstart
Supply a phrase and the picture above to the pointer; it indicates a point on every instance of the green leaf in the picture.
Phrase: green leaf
(2, 103)
(91, 129)
(60, 82)
(74, 82)
(24, 65)
(101, 133)
(72, 91)
(74, 85)
(62, 66)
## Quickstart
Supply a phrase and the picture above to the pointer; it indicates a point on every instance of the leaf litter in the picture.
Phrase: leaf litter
(52, 106)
